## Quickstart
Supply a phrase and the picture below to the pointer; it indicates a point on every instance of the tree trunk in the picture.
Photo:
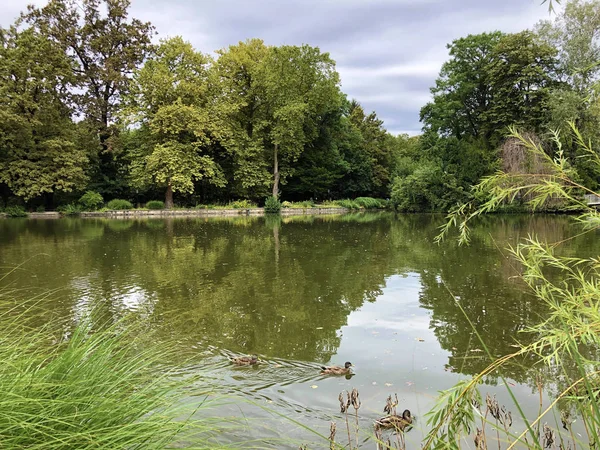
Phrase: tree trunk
(275, 173)
(169, 196)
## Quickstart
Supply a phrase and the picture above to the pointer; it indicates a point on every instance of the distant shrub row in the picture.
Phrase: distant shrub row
(93, 201)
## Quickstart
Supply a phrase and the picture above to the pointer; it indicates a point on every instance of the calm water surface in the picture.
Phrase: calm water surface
(372, 289)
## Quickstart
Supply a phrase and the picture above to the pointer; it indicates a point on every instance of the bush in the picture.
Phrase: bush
(40, 209)
(242, 204)
(299, 205)
(349, 204)
(71, 209)
(304, 204)
(118, 204)
(371, 203)
(272, 205)
(15, 211)
(155, 204)
(91, 201)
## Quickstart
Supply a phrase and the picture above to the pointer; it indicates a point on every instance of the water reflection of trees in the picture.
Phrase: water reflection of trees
(284, 287)
(483, 279)
(245, 284)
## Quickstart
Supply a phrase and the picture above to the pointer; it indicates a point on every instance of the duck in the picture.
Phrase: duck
(395, 421)
(245, 360)
(336, 370)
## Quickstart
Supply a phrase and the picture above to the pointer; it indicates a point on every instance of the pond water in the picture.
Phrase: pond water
(301, 292)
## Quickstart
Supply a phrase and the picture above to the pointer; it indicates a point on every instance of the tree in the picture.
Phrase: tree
(462, 93)
(321, 166)
(105, 47)
(375, 145)
(298, 85)
(575, 33)
(169, 101)
(272, 101)
(38, 151)
(521, 75)
(239, 113)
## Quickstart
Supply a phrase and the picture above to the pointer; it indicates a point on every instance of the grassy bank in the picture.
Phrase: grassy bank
(89, 387)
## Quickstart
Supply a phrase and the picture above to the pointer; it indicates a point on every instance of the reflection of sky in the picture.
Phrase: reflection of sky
(118, 300)
(395, 351)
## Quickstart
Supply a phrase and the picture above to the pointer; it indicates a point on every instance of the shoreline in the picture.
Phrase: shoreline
(133, 213)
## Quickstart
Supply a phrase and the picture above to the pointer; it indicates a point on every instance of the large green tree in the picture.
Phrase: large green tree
(375, 146)
(238, 111)
(575, 33)
(169, 100)
(273, 102)
(38, 150)
(105, 47)
(521, 75)
(299, 85)
(462, 93)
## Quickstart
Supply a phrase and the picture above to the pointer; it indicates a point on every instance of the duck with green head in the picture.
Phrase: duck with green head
(336, 370)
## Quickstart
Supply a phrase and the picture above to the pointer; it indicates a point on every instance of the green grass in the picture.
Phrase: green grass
(96, 389)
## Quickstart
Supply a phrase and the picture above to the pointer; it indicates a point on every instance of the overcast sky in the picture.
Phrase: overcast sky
(388, 52)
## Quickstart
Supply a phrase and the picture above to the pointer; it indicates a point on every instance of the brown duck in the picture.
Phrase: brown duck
(395, 421)
(336, 370)
(245, 360)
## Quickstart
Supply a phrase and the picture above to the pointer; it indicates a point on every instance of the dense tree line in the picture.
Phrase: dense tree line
(89, 103)
(538, 81)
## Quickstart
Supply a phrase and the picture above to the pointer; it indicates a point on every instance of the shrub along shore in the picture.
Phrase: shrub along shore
(156, 208)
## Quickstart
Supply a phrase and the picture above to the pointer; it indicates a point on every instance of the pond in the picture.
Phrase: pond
(301, 292)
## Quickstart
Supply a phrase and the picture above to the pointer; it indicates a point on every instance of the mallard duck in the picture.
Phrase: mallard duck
(395, 421)
(336, 370)
(245, 360)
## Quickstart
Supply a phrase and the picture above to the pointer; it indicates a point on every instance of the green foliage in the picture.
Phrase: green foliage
(39, 153)
(567, 341)
(169, 98)
(348, 204)
(272, 205)
(514, 70)
(427, 189)
(88, 35)
(119, 204)
(15, 211)
(98, 388)
(70, 209)
(242, 204)
(91, 201)
(155, 204)
(370, 203)
(40, 209)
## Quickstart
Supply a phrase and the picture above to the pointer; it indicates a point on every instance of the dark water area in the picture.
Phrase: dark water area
(301, 292)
